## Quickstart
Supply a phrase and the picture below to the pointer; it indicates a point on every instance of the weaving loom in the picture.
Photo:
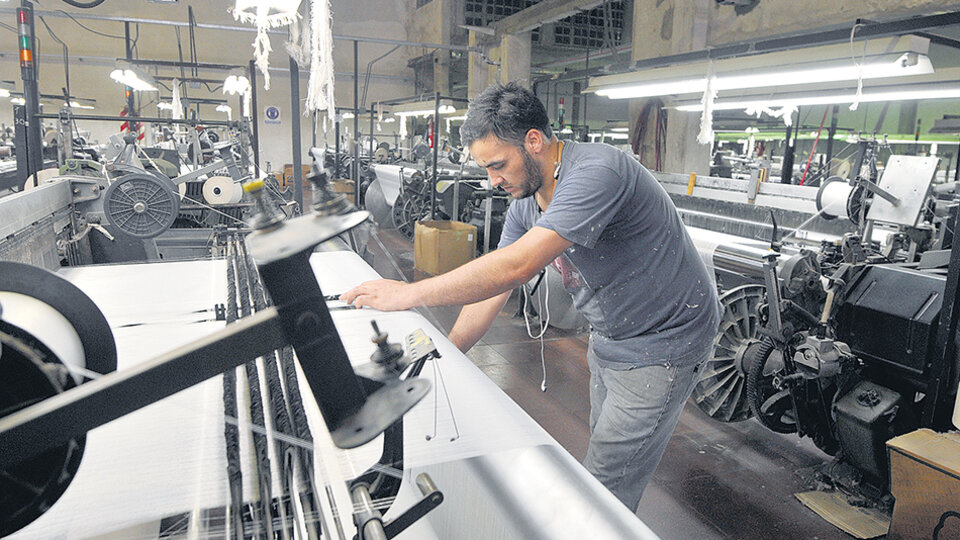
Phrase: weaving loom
(236, 454)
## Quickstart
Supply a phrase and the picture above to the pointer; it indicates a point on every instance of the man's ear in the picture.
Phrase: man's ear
(535, 141)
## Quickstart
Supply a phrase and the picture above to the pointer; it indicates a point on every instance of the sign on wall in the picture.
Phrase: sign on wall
(271, 115)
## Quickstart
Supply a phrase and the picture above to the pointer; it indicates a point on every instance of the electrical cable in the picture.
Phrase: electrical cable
(66, 59)
(87, 28)
(84, 5)
(543, 303)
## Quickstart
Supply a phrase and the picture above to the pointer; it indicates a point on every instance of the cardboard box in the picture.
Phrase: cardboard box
(925, 480)
(344, 186)
(288, 175)
(441, 246)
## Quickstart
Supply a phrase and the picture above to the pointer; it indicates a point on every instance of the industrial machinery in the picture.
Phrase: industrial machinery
(288, 445)
(44, 421)
(845, 333)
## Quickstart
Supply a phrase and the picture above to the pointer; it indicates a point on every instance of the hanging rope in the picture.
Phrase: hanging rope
(320, 89)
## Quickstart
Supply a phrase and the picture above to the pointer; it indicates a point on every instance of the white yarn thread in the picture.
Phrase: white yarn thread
(709, 97)
(320, 88)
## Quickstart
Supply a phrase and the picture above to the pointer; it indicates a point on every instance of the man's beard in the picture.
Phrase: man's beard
(533, 176)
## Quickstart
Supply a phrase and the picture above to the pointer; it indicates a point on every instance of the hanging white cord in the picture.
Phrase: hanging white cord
(543, 305)
(859, 65)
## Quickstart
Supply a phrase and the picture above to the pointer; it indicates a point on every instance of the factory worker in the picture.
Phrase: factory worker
(604, 222)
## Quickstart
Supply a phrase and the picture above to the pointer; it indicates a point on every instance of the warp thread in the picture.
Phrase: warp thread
(231, 432)
(264, 476)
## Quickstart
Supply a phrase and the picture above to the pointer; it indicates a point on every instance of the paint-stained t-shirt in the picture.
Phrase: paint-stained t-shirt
(633, 270)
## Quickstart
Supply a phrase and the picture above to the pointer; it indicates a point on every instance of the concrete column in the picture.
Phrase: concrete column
(478, 70)
(441, 72)
(659, 29)
(515, 58)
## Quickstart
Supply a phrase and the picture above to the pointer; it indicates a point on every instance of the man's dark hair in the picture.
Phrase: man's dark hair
(508, 111)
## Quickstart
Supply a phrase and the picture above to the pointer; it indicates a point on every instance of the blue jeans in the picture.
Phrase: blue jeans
(633, 412)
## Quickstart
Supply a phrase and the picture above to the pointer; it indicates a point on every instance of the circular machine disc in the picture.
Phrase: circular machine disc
(31, 373)
(721, 391)
(142, 205)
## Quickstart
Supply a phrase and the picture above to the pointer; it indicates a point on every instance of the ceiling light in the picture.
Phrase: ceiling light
(883, 58)
(842, 70)
(616, 136)
(939, 91)
(133, 78)
(346, 116)
(165, 106)
(18, 101)
(4, 93)
(424, 108)
(77, 105)
(620, 129)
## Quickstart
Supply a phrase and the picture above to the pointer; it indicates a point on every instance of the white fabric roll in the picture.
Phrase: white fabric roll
(221, 190)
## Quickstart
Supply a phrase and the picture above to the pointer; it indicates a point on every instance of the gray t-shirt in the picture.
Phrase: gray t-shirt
(633, 270)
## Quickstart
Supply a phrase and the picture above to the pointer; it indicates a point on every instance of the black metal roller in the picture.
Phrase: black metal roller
(32, 372)
(141, 205)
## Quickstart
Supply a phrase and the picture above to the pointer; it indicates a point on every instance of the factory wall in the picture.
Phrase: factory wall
(93, 57)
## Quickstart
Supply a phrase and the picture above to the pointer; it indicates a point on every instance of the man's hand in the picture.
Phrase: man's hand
(382, 294)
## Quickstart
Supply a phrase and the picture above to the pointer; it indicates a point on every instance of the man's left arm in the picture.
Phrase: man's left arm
(494, 273)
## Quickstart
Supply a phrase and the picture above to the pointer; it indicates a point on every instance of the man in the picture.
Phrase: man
(603, 220)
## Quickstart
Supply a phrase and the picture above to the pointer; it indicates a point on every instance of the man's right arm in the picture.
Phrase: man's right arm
(475, 319)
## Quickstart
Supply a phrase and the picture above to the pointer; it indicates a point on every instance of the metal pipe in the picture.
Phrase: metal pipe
(131, 99)
(254, 112)
(295, 127)
(356, 122)
(369, 518)
(433, 179)
(162, 22)
(150, 119)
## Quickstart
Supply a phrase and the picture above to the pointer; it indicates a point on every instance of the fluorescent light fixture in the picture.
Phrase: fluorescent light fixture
(455, 118)
(388, 120)
(883, 58)
(938, 91)
(236, 83)
(130, 76)
(842, 70)
(165, 106)
(566, 131)
(346, 116)
(619, 129)
(18, 101)
(78, 105)
(616, 136)
(423, 108)
(4, 93)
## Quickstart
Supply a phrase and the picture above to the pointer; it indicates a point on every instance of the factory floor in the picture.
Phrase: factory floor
(716, 480)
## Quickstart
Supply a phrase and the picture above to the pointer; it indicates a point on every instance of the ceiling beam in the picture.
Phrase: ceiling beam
(540, 14)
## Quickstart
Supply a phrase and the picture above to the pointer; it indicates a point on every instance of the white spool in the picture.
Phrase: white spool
(221, 190)
(832, 198)
(47, 325)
